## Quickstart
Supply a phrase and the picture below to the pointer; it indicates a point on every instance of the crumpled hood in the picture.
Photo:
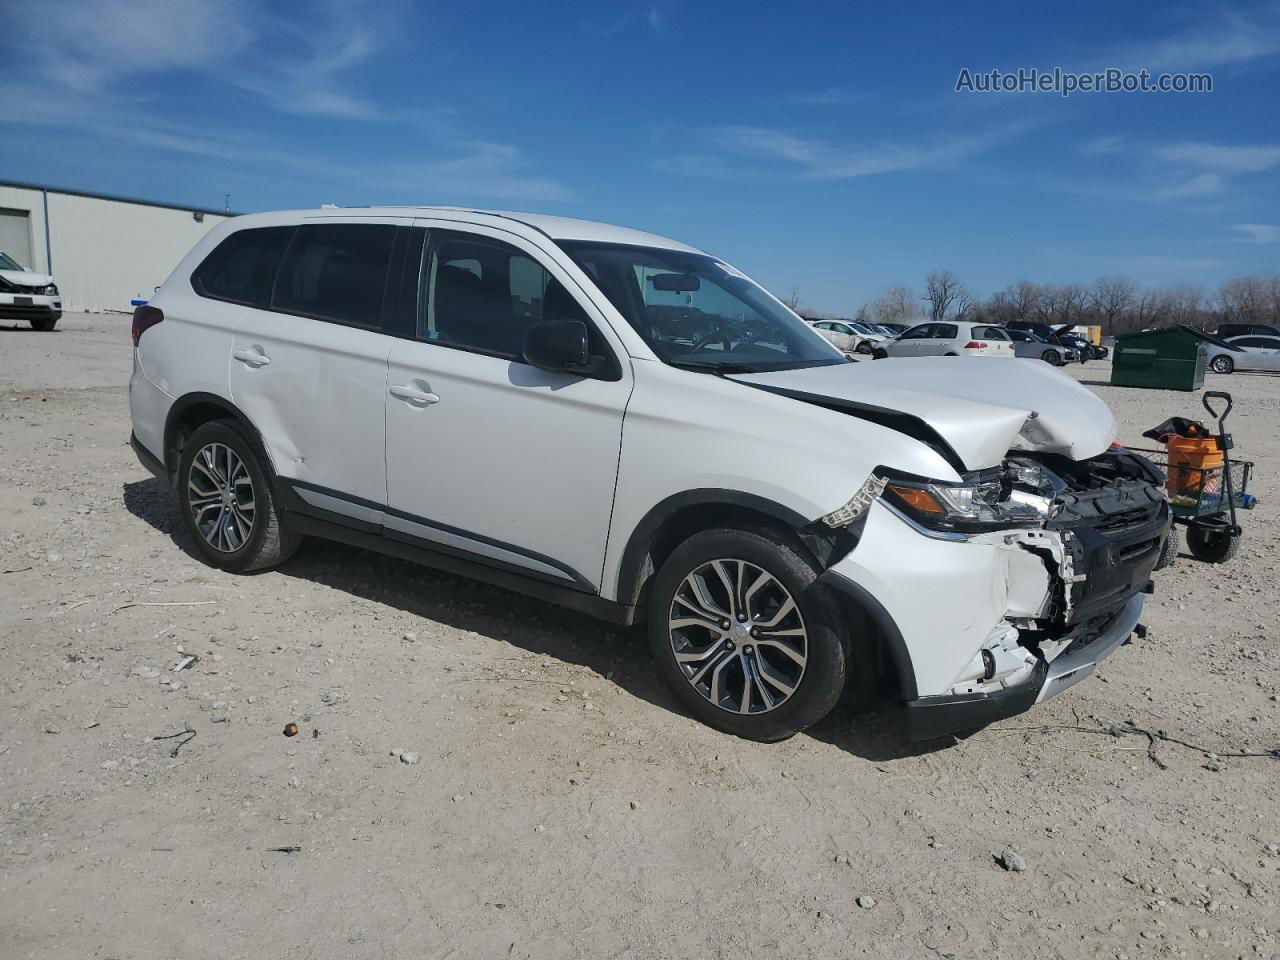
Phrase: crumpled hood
(981, 407)
(26, 278)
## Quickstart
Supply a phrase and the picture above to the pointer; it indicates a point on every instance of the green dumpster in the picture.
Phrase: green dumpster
(1169, 359)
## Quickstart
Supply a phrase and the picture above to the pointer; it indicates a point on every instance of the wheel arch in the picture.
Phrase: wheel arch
(193, 410)
(673, 520)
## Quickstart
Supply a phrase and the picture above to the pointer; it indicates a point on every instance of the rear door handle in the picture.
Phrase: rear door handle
(413, 396)
(254, 358)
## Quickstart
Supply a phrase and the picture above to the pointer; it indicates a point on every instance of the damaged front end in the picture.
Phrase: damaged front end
(1056, 555)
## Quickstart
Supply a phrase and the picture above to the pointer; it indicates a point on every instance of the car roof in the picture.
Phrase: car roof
(554, 227)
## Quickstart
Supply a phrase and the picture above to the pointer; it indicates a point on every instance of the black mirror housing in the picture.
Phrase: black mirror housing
(559, 346)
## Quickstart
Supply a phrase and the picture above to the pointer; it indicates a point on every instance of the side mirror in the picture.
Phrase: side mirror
(559, 346)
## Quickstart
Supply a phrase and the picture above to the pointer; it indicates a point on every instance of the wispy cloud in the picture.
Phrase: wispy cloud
(830, 97)
(93, 66)
(1224, 38)
(1258, 232)
(761, 153)
(1223, 158)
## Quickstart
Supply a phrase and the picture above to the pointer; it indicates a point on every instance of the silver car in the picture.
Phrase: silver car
(1250, 353)
(1035, 347)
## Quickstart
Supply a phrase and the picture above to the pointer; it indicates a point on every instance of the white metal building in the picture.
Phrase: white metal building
(103, 251)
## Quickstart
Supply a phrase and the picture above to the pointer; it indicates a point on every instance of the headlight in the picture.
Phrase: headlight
(1019, 493)
(51, 290)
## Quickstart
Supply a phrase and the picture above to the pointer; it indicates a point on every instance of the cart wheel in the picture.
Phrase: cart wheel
(1172, 544)
(1212, 546)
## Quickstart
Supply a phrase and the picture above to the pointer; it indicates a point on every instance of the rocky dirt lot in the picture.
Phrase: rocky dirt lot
(559, 805)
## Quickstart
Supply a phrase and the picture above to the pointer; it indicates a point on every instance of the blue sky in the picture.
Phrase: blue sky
(816, 146)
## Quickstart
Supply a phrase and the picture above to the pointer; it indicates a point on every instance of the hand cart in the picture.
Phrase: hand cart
(1205, 495)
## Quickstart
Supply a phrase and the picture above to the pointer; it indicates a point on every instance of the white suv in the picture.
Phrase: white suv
(629, 426)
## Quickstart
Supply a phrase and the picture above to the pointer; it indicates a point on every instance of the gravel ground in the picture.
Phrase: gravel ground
(560, 805)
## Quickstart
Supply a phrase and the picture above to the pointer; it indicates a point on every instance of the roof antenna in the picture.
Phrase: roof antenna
(226, 196)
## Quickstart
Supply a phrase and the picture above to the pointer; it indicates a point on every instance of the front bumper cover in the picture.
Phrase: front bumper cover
(930, 717)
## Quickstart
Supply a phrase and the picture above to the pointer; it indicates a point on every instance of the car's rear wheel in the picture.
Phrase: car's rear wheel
(1051, 357)
(1223, 365)
(744, 636)
(44, 324)
(227, 504)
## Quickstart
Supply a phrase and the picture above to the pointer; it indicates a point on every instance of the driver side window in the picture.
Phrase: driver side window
(483, 295)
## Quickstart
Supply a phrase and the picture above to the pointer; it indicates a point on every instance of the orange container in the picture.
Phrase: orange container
(1190, 461)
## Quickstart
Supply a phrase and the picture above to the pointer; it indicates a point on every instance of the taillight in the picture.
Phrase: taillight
(975, 345)
(144, 318)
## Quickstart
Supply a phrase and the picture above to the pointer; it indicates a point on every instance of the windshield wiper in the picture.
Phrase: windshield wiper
(711, 367)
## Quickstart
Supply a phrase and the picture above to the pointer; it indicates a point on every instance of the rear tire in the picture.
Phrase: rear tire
(1223, 365)
(43, 324)
(1213, 546)
(234, 520)
(714, 670)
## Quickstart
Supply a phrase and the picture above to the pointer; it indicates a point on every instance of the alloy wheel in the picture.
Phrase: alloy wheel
(738, 636)
(1222, 364)
(221, 497)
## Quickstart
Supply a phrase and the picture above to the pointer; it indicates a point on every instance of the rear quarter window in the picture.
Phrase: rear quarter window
(336, 272)
(242, 268)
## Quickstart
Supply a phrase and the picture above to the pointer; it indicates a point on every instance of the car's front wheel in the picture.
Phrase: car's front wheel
(227, 504)
(1223, 365)
(744, 636)
(1051, 357)
(44, 324)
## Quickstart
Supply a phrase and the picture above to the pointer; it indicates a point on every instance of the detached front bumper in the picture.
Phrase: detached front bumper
(966, 619)
(930, 717)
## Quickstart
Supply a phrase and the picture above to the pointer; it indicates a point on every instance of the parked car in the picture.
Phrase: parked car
(1029, 345)
(895, 329)
(949, 339)
(845, 338)
(631, 427)
(1247, 353)
(1226, 331)
(1084, 350)
(26, 295)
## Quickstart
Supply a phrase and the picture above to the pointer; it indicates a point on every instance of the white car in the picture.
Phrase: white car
(29, 296)
(1249, 353)
(631, 427)
(951, 338)
(845, 338)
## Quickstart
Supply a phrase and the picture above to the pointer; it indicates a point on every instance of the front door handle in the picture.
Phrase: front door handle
(254, 358)
(413, 396)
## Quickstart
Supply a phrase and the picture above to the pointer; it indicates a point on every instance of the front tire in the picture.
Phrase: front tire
(1051, 357)
(879, 354)
(227, 504)
(1169, 550)
(1223, 365)
(744, 636)
(44, 324)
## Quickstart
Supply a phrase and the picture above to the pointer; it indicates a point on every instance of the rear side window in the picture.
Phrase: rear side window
(989, 333)
(242, 267)
(1249, 342)
(336, 272)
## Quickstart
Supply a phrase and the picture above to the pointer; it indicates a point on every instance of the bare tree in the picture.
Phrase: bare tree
(1182, 305)
(942, 291)
(1244, 299)
(895, 305)
(1110, 298)
(792, 300)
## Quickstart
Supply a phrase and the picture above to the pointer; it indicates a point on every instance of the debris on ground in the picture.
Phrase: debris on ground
(1011, 860)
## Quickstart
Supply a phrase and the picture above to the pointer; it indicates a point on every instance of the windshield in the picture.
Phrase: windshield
(8, 263)
(696, 311)
(883, 330)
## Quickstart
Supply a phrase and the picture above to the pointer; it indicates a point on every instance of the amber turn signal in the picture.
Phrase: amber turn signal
(921, 501)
